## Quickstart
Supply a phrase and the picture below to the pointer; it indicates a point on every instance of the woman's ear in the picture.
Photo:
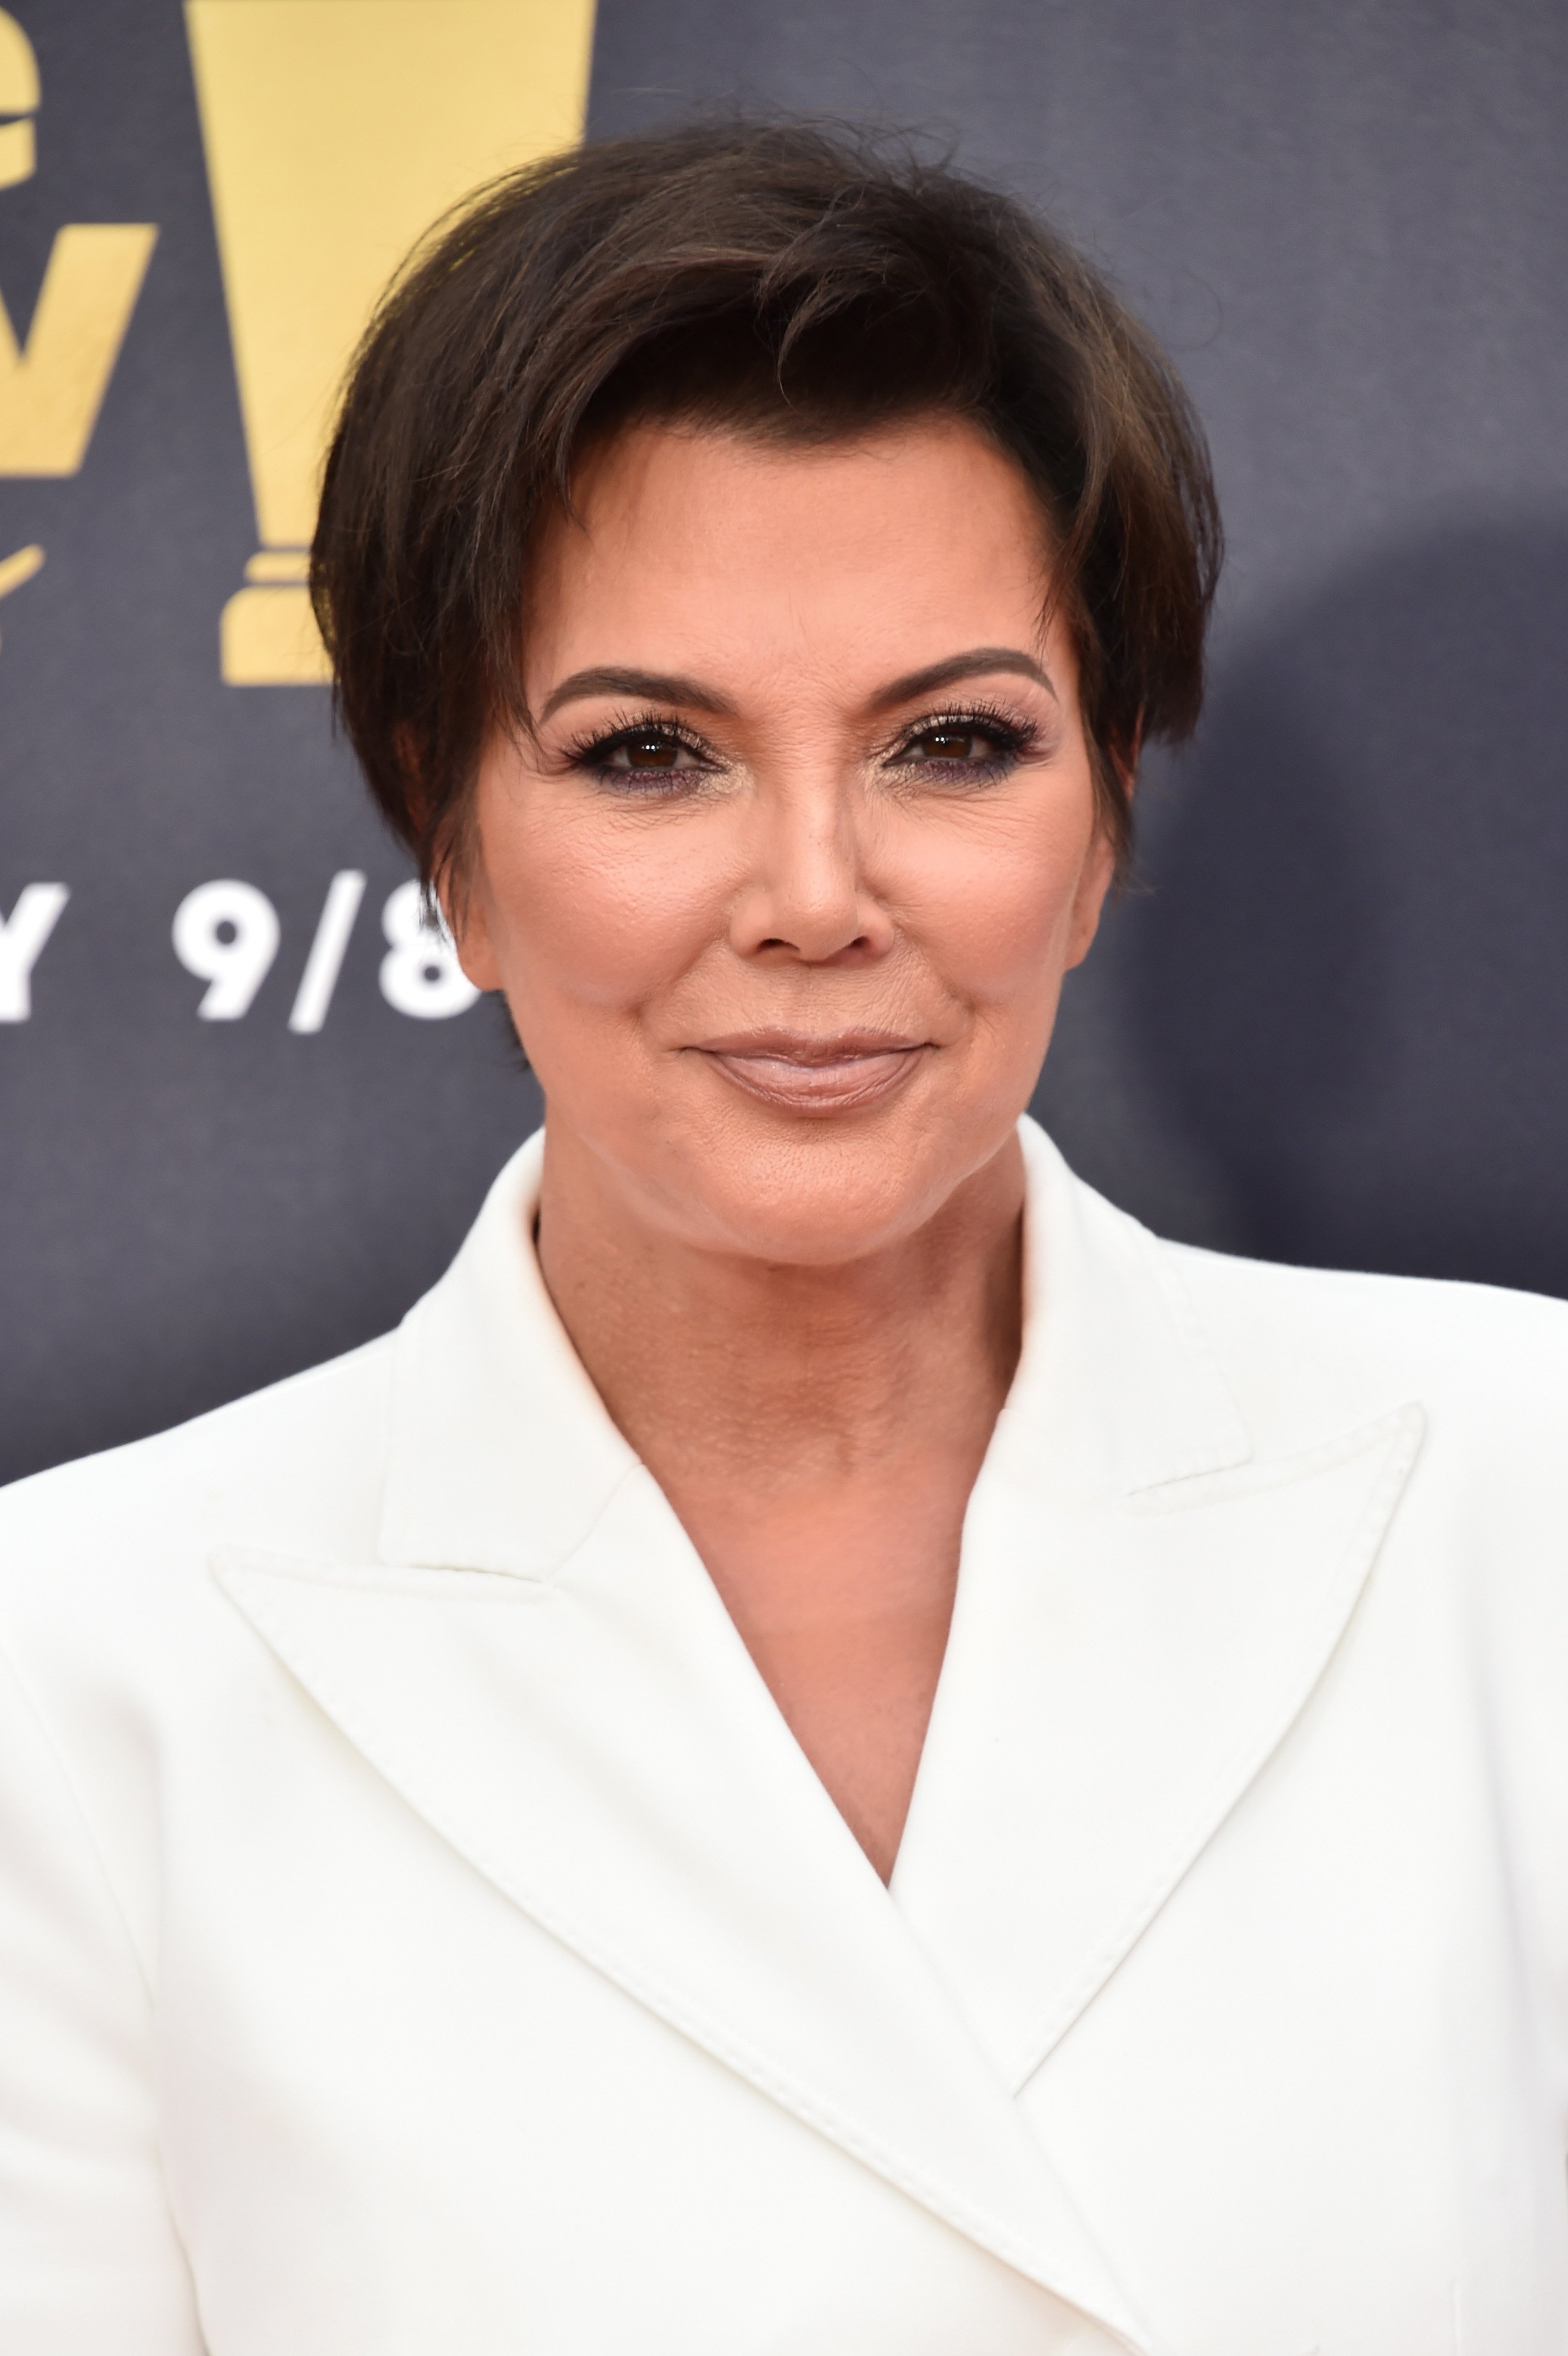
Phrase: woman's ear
(457, 888)
(464, 915)
(456, 882)
(1100, 866)
(1089, 900)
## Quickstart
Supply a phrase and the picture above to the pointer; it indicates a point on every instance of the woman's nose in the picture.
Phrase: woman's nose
(808, 896)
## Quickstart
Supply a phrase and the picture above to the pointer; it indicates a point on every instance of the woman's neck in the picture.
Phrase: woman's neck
(721, 1368)
(818, 1431)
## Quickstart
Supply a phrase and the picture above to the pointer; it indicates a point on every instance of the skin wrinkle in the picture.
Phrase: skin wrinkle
(804, 1315)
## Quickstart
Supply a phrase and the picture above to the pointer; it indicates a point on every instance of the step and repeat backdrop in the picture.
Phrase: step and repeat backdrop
(247, 1105)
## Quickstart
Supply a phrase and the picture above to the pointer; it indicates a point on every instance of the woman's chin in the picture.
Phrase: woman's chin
(825, 1210)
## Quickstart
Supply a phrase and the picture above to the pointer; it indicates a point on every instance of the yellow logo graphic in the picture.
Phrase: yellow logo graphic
(52, 387)
(19, 94)
(17, 569)
(336, 131)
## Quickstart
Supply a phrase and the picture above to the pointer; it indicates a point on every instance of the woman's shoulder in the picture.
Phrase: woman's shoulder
(1488, 1365)
(297, 1467)
(1430, 1315)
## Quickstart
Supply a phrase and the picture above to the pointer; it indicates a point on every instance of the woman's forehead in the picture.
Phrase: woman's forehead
(901, 548)
(713, 481)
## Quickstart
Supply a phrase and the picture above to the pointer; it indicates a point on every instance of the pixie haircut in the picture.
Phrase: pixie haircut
(801, 283)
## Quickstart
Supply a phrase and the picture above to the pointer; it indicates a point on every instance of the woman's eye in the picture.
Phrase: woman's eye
(654, 751)
(961, 744)
(950, 744)
(649, 751)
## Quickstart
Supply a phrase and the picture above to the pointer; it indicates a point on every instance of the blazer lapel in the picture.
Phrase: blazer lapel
(542, 1669)
(539, 1665)
(1143, 1611)
(600, 1746)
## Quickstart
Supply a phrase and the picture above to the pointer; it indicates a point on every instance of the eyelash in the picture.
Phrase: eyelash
(1011, 739)
(591, 755)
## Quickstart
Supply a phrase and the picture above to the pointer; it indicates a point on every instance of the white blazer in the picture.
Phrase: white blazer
(419, 1934)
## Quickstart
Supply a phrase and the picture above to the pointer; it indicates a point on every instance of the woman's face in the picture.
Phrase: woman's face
(782, 888)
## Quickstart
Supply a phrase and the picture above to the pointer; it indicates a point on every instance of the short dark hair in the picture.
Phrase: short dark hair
(803, 282)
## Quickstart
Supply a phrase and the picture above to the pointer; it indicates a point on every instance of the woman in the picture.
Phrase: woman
(832, 1748)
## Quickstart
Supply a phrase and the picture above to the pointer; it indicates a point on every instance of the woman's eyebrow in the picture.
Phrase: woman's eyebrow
(651, 686)
(973, 665)
(670, 687)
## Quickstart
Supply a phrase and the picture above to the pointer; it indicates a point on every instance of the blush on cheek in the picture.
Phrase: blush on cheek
(994, 911)
(604, 915)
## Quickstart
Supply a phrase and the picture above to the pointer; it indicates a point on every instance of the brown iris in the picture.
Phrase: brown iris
(946, 744)
(651, 753)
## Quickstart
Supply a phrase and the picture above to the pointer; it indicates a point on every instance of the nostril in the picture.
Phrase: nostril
(862, 945)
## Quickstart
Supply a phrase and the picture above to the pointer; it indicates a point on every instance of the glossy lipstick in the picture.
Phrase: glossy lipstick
(798, 1072)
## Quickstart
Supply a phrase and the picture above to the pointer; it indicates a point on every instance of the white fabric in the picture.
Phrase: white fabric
(419, 1932)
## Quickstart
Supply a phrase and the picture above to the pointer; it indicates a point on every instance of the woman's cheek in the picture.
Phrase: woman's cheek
(609, 915)
(994, 909)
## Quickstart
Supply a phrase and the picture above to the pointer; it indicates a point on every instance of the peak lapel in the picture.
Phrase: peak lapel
(600, 1746)
(1142, 1615)
(1116, 1678)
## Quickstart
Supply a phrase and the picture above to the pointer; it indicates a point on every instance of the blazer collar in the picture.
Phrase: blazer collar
(541, 1665)
(1117, 1389)
(502, 1457)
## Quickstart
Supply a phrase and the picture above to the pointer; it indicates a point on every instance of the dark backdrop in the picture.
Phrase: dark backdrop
(1328, 1021)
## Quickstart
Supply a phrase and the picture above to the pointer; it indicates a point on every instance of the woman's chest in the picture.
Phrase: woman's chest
(400, 2111)
(399, 2116)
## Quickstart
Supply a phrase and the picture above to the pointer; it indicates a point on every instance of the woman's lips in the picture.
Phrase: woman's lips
(816, 1074)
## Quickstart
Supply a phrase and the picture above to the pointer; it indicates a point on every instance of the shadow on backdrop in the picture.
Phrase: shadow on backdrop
(1348, 983)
